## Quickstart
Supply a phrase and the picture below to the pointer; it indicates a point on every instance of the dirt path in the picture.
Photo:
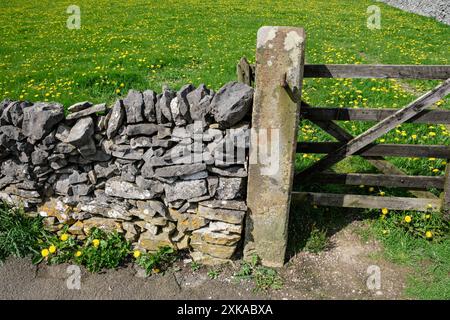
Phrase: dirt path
(338, 273)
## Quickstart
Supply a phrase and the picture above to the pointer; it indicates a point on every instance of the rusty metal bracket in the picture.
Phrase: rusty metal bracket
(293, 93)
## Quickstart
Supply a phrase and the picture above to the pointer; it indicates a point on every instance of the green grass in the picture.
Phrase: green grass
(144, 44)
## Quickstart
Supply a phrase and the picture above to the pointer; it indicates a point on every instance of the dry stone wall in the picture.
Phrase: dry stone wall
(438, 9)
(164, 169)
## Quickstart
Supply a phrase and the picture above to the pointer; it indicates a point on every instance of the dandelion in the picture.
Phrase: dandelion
(408, 219)
(414, 136)
(382, 193)
(156, 270)
(44, 253)
(96, 243)
(432, 134)
(52, 249)
(384, 211)
(136, 254)
(428, 234)
(64, 237)
(78, 254)
(427, 216)
(117, 90)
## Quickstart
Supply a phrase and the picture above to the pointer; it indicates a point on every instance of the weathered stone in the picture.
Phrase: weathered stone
(76, 228)
(81, 133)
(217, 238)
(62, 132)
(179, 170)
(218, 251)
(195, 176)
(200, 104)
(233, 171)
(152, 242)
(146, 129)
(88, 149)
(226, 228)
(109, 210)
(180, 106)
(218, 214)
(122, 189)
(180, 133)
(141, 142)
(207, 260)
(79, 106)
(134, 104)
(77, 177)
(163, 113)
(149, 105)
(39, 156)
(150, 184)
(117, 116)
(98, 108)
(225, 204)
(55, 208)
(13, 113)
(129, 154)
(39, 119)
(64, 148)
(131, 232)
(186, 221)
(105, 170)
(164, 143)
(184, 190)
(231, 103)
(230, 188)
(153, 206)
(5, 181)
(105, 224)
(129, 172)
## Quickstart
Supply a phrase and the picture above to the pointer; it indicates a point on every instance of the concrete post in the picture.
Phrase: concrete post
(279, 59)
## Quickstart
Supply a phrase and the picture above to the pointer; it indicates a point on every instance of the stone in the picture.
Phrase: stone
(182, 243)
(129, 154)
(200, 104)
(164, 132)
(62, 132)
(64, 148)
(79, 106)
(131, 232)
(217, 238)
(180, 133)
(217, 251)
(13, 113)
(219, 214)
(152, 242)
(117, 116)
(98, 108)
(150, 184)
(146, 129)
(230, 188)
(141, 142)
(180, 106)
(134, 104)
(195, 176)
(163, 112)
(231, 103)
(179, 170)
(213, 183)
(108, 225)
(129, 172)
(81, 133)
(225, 204)
(76, 228)
(153, 206)
(39, 157)
(77, 177)
(40, 119)
(233, 171)
(6, 181)
(186, 221)
(88, 149)
(105, 170)
(226, 228)
(55, 208)
(150, 105)
(122, 189)
(184, 190)
(108, 210)
(207, 260)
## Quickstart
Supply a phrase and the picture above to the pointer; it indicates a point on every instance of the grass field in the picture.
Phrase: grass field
(145, 44)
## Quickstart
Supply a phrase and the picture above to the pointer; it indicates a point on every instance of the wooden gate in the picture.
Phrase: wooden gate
(347, 145)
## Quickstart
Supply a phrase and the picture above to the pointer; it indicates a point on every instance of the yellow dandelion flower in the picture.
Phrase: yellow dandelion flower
(78, 254)
(429, 234)
(156, 270)
(44, 253)
(64, 237)
(408, 219)
(382, 193)
(52, 249)
(414, 136)
(384, 211)
(96, 242)
(136, 254)
(432, 134)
